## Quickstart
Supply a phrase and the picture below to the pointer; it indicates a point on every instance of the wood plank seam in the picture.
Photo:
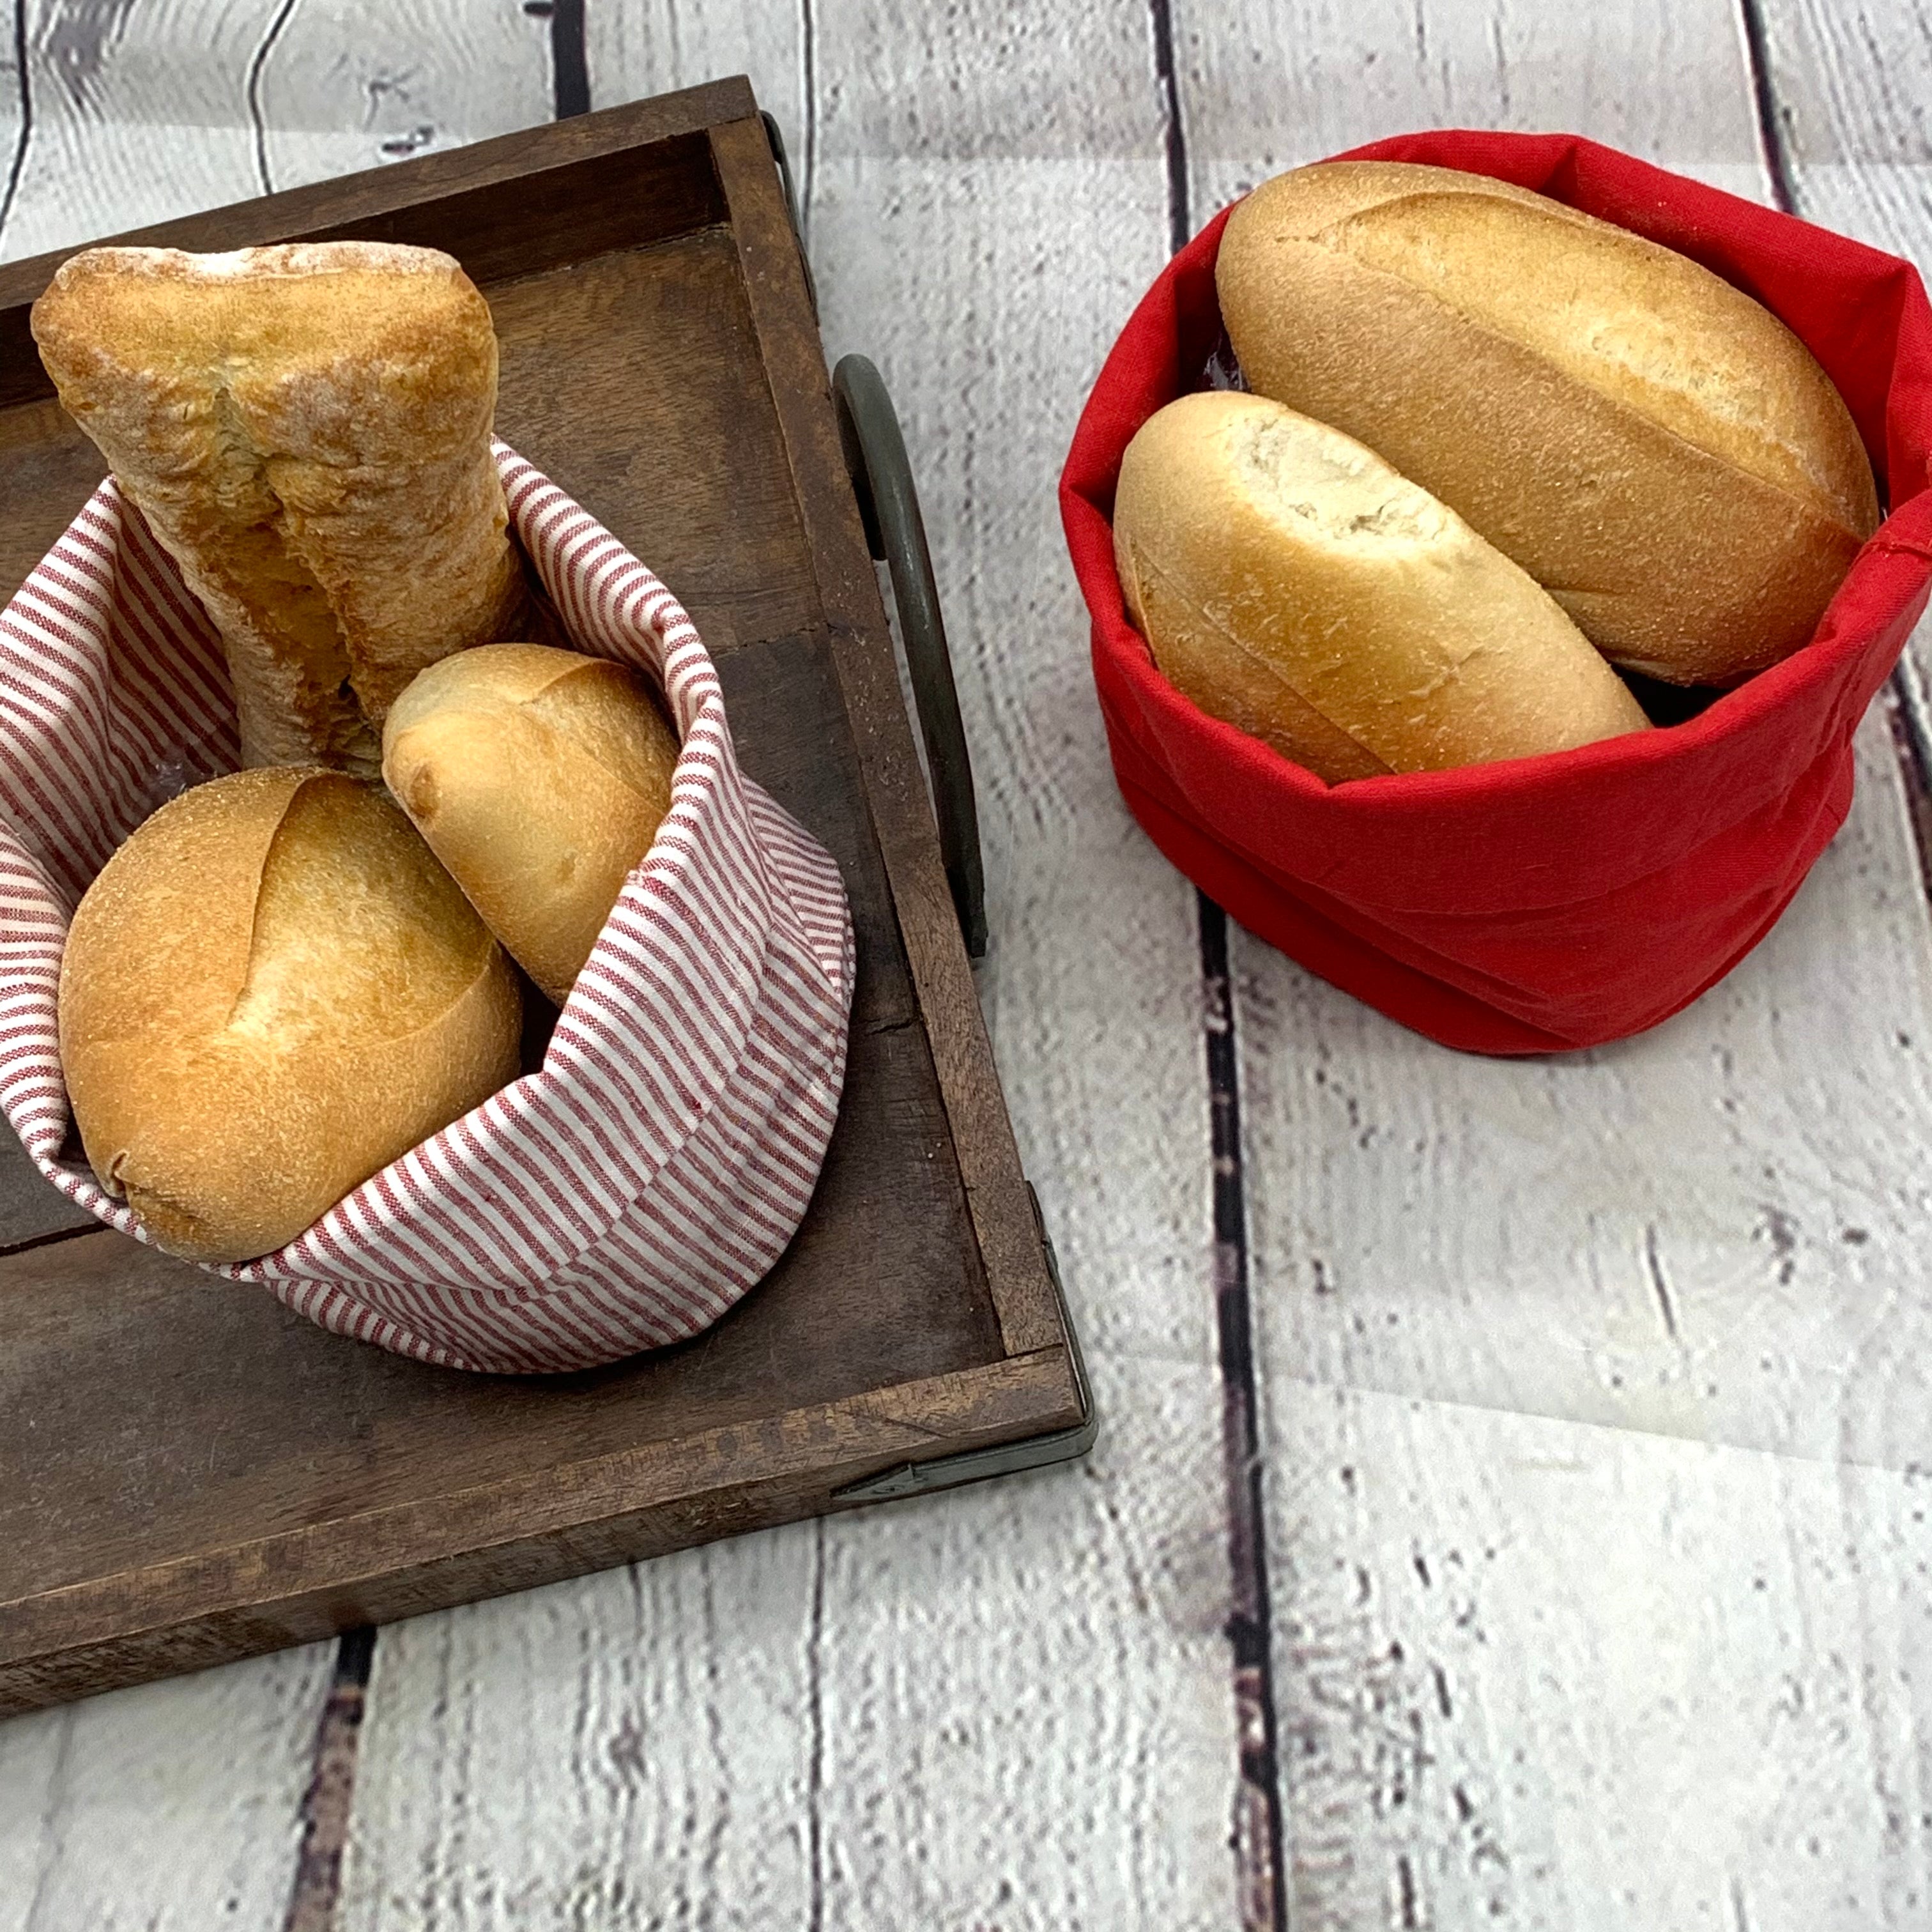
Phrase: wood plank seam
(1179, 221)
(67, 1234)
(1903, 706)
(24, 81)
(1258, 1825)
(1771, 128)
(1260, 1873)
(258, 61)
(570, 63)
(814, 1795)
(327, 1803)
(1904, 703)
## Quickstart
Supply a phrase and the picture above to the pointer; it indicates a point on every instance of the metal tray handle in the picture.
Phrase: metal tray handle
(875, 453)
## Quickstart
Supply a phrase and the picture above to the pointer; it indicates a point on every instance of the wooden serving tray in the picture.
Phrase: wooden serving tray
(188, 1472)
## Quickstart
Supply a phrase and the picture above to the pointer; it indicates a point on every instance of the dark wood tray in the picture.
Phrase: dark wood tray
(188, 1472)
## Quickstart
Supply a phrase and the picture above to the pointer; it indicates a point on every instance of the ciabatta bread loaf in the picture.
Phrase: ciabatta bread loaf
(1287, 580)
(271, 991)
(306, 428)
(1654, 448)
(539, 778)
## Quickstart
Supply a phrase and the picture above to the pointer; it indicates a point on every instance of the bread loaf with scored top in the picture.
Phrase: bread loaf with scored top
(271, 991)
(539, 777)
(1287, 580)
(1652, 445)
(306, 430)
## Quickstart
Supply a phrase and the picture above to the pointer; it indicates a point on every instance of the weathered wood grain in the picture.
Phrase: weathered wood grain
(903, 1710)
(1539, 1673)
(1266, 84)
(1670, 1256)
(645, 47)
(16, 102)
(340, 88)
(174, 1807)
(983, 80)
(1851, 89)
(643, 1747)
(140, 113)
(126, 126)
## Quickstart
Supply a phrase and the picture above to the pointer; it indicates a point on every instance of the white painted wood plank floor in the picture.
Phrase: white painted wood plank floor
(1512, 1505)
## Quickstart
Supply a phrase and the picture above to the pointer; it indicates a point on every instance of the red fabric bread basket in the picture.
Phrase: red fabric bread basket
(623, 1196)
(1558, 902)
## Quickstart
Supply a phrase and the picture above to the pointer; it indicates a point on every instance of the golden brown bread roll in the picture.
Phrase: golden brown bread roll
(1655, 448)
(1287, 580)
(539, 778)
(271, 991)
(306, 428)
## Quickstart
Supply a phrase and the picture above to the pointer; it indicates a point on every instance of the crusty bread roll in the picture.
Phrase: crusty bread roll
(1659, 452)
(539, 779)
(271, 991)
(1287, 580)
(306, 430)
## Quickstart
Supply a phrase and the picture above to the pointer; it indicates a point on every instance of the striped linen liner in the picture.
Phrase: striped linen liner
(622, 1197)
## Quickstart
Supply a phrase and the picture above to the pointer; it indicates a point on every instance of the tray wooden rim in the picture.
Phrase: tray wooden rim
(304, 1584)
(119, 1627)
(293, 214)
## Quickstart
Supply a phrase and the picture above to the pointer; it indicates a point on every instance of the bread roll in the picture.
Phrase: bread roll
(306, 428)
(1287, 580)
(1659, 452)
(271, 991)
(539, 779)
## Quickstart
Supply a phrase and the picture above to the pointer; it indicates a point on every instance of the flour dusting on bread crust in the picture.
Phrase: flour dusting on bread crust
(1652, 445)
(306, 428)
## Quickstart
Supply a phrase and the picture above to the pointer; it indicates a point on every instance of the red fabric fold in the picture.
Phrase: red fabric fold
(1558, 902)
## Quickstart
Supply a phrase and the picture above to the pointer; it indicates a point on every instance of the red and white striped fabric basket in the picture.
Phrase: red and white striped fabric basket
(622, 1197)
